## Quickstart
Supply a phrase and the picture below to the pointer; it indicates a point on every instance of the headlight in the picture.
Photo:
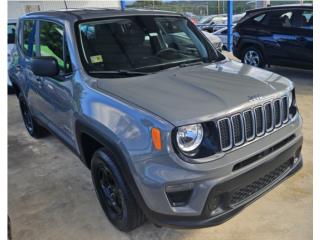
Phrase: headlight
(189, 137)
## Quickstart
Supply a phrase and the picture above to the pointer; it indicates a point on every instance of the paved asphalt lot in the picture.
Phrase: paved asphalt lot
(51, 195)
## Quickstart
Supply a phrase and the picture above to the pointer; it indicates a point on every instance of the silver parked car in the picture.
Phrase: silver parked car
(171, 130)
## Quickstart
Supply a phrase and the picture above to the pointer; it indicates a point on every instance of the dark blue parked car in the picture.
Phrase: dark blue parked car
(279, 35)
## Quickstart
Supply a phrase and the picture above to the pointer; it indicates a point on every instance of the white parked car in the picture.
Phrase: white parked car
(223, 35)
(215, 40)
(11, 44)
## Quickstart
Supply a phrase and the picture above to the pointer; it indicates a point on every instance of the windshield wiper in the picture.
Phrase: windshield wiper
(121, 72)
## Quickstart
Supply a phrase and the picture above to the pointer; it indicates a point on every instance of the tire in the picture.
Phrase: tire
(33, 127)
(114, 196)
(253, 57)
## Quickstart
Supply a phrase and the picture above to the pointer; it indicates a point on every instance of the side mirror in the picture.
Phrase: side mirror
(45, 66)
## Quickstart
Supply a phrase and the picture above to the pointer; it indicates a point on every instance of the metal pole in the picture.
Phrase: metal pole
(65, 4)
(123, 4)
(230, 11)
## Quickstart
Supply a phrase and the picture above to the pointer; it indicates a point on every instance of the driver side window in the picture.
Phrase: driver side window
(52, 44)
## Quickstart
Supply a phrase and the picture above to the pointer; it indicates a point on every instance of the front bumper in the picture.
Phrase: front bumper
(221, 187)
(237, 193)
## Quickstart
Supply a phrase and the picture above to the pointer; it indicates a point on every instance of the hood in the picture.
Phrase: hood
(196, 93)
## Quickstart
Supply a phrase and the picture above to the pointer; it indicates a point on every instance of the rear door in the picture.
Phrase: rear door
(26, 50)
(283, 45)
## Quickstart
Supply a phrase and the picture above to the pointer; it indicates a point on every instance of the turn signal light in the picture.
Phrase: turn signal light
(156, 138)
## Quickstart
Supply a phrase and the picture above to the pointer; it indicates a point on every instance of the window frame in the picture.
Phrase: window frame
(20, 37)
(279, 13)
(65, 49)
(294, 11)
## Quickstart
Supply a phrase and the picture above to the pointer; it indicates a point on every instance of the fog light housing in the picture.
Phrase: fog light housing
(179, 195)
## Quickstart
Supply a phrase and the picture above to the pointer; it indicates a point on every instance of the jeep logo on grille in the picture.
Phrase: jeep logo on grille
(256, 97)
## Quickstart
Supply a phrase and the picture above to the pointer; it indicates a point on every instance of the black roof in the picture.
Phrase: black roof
(92, 13)
(279, 7)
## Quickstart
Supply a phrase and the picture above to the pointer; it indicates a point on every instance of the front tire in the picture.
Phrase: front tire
(32, 126)
(114, 195)
(253, 56)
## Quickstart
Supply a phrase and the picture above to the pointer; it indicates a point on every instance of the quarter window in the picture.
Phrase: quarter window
(28, 38)
(52, 44)
(259, 18)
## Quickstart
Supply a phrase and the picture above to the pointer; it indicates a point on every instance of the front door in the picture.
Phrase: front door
(56, 93)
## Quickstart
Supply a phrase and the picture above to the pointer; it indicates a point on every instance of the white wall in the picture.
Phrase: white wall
(18, 8)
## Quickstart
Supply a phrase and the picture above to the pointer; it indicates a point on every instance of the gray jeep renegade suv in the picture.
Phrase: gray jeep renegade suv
(171, 130)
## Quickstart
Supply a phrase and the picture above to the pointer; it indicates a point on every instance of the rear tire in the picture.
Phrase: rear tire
(33, 127)
(253, 57)
(113, 193)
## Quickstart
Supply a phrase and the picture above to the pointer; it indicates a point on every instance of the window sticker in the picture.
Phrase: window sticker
(96, 59)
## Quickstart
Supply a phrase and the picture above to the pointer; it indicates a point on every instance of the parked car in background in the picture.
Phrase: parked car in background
(206, 19)
(219, 21)
(223, 35)
(212, 23)
(215, 40)
(172, 131)
(192, 17)
(278, 35)
(11, 44)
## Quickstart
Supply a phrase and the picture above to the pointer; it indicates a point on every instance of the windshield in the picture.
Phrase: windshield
(140, 43)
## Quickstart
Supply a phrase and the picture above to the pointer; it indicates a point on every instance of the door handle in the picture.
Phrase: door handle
(39, 81)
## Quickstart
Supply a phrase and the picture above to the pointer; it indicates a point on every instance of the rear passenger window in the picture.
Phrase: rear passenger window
(52, 44)
(28, 38)
(281, 19)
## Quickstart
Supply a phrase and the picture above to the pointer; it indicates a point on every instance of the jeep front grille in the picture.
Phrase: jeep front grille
(225, 133)
(249, 124)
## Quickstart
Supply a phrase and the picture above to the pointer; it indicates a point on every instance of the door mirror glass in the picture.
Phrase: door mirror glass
(45, 66)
